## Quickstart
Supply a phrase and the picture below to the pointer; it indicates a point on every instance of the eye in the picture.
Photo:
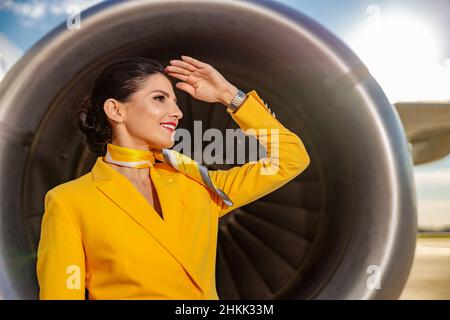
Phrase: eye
(159, 97)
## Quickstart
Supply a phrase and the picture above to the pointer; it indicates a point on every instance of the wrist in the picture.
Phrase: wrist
(228, 95)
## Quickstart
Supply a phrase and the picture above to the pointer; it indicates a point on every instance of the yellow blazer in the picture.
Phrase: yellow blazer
(99, 233)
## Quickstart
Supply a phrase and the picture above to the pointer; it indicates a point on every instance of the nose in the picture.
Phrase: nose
(176, 112)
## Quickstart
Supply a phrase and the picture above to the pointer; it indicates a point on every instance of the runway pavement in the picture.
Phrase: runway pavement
(430, 274)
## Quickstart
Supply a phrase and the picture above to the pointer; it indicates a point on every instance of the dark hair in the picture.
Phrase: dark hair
(119, 80)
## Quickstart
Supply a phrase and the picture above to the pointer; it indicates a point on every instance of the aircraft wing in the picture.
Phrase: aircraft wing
(427, 127)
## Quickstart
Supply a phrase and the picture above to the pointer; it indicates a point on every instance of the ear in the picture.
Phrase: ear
(114, 110)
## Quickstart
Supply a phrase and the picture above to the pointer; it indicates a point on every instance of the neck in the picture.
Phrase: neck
(139, 175)
(130, 143)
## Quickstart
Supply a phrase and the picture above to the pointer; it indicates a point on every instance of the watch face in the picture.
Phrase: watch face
(240, 95)
(238, 99)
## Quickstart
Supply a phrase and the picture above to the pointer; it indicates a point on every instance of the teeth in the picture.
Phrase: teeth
(170, 126)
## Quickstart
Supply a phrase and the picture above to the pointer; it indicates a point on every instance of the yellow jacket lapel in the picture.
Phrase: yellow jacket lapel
(121, 191)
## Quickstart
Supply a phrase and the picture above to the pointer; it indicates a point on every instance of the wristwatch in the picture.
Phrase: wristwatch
(237, 101)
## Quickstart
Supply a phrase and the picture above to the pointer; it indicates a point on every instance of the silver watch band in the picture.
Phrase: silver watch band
(238, 100)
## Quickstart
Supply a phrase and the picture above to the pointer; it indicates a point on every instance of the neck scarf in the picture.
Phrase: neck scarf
(135, 158)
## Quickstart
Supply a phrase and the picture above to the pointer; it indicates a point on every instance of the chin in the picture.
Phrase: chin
(162, 144)
(170, 144)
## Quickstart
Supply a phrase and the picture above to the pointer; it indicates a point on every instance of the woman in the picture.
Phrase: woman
(143, 223)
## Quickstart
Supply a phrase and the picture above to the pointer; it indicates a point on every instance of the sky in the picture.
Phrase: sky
(404, 43)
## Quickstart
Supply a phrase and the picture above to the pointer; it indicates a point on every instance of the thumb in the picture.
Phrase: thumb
(186, 87)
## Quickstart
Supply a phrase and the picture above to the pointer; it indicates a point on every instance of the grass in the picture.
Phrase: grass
(433, 235)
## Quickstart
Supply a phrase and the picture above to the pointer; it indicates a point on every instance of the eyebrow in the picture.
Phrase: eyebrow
(165, 93)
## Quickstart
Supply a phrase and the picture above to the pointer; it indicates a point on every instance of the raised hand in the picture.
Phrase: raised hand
(201, 80)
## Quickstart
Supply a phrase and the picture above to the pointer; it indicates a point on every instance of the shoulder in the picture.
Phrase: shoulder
(75, 196)
(72, 187)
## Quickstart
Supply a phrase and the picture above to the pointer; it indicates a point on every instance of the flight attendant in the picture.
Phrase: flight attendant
(143, 223)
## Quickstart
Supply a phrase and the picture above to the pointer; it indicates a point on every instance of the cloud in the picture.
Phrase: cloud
(38, 10)
(33, 10)
(60, 7)
(9, 54)
(438, 177)
(432, 183)
(433, 213)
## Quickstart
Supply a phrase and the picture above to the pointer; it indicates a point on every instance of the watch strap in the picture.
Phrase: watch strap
(237, 100)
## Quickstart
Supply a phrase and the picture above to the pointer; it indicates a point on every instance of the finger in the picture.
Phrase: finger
(186, 87)
(183, 64)
(188, 78)
(194, 62)
(178, 76)
(177, 70)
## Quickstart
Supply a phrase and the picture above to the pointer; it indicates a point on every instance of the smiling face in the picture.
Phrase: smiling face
(148, 120)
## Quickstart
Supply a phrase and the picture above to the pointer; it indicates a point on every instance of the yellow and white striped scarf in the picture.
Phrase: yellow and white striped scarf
(135, 158)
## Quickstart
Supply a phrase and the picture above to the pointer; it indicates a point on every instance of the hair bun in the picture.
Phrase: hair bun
(85, 116)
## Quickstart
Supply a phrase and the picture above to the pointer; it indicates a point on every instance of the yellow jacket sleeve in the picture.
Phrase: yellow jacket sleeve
(60, 264)
(286, 157)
